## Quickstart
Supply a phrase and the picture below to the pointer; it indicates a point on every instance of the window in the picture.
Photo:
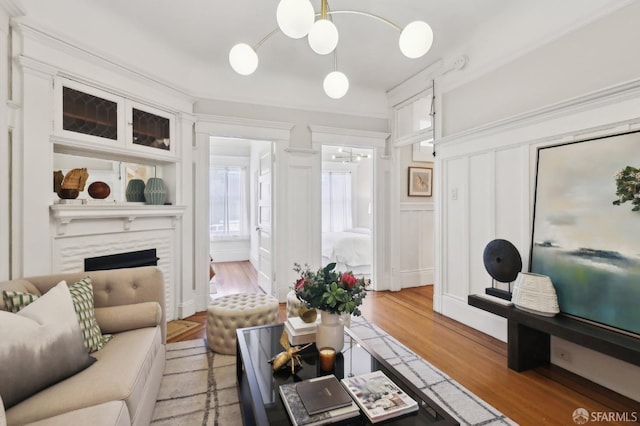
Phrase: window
(414, 125)
(336, 201)
(228, 202)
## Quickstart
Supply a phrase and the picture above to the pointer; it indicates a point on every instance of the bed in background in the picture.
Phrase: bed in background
(350, 250)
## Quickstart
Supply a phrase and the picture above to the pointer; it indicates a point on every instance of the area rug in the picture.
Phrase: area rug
(177, 327)
(199, 386)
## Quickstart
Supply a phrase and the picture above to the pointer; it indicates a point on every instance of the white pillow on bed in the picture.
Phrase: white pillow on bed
(365, 231)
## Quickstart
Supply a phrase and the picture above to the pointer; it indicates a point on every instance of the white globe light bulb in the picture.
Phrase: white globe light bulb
(336, 85)
(323, 37)
(243, 59)
(295, 17)
(416, 39)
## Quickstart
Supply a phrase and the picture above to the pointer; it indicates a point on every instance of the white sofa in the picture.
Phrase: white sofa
(121, 386)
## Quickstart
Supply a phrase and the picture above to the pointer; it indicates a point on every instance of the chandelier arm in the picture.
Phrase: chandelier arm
(265, 38)
(370, 15)
(335, 12)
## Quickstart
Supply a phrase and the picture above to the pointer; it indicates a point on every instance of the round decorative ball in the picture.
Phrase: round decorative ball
(99, 190)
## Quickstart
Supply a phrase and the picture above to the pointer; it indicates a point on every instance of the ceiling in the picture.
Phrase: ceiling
(187, 42)
(368, 50)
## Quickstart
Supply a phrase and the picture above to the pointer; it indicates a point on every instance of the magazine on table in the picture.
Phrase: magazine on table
(298, 412)
(378, 397)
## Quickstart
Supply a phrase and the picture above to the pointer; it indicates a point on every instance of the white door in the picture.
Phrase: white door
(265, 222)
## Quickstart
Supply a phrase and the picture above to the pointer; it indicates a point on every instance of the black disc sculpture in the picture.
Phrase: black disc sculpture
(503, 262)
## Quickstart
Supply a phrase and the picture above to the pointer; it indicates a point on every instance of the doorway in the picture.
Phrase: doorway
(347, 200)
(240, 214)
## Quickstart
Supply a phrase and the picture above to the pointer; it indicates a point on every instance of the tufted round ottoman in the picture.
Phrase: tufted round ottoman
(293, 305)
(228, 313)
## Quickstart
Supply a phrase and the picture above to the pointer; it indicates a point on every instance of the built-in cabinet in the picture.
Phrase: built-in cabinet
(90, 120)
(91, 125)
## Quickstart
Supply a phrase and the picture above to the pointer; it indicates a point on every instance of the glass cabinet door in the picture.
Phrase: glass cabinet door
(91, 119)
(151, 129)
(88, 114)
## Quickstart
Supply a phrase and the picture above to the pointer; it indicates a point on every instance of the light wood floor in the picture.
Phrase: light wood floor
(546, 395)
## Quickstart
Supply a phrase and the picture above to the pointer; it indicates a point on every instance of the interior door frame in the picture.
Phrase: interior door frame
(231, 127)
(377, 142)
(269, 153)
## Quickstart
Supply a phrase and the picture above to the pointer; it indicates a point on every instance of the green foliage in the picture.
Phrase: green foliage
(330, 290)
(628, 187)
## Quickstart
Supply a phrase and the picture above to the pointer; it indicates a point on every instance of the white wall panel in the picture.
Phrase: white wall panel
(508, 190)
(416, 249)
(481, 220)
(456, 201)
(300, 185)
(509, 150)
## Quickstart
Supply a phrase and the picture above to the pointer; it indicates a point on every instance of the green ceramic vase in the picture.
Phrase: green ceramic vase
(135, 191)
(155, 192)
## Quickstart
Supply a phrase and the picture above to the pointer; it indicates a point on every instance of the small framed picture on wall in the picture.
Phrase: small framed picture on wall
(420, 181)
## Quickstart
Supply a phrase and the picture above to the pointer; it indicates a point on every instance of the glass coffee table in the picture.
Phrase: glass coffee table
(258, 384)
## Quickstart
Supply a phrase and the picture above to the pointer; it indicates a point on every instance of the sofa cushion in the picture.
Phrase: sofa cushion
(113, 413)
(82, 296)
(41, 345)
(116, 319)
(121, 372)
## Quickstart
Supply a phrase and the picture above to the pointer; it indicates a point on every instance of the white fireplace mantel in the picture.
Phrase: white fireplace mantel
(63, 214)
(79, 231)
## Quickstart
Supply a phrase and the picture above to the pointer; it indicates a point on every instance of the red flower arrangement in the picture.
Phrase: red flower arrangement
(329, 290)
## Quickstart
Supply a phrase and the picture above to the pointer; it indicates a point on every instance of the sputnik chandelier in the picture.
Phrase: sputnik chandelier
(297, 19)
(348, 156)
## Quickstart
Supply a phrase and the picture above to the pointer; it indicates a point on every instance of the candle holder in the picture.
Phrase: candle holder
(326, 359)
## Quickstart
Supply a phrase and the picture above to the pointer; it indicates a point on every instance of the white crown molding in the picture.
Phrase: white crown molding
(342, 136)
(242, 121)
(591, 100)
(35, 67)
(28, 28)
(218, 125)
(417, 83)
(460, 79)
(423, 80)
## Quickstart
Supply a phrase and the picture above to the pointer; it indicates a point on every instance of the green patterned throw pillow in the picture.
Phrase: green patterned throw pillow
(16, 300)
(82, 295)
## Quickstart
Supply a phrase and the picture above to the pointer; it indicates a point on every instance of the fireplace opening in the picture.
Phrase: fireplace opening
(129, 259)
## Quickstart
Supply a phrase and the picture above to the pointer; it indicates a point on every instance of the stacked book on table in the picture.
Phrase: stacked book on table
(300, 332)
(325, 400)
(378, 397)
